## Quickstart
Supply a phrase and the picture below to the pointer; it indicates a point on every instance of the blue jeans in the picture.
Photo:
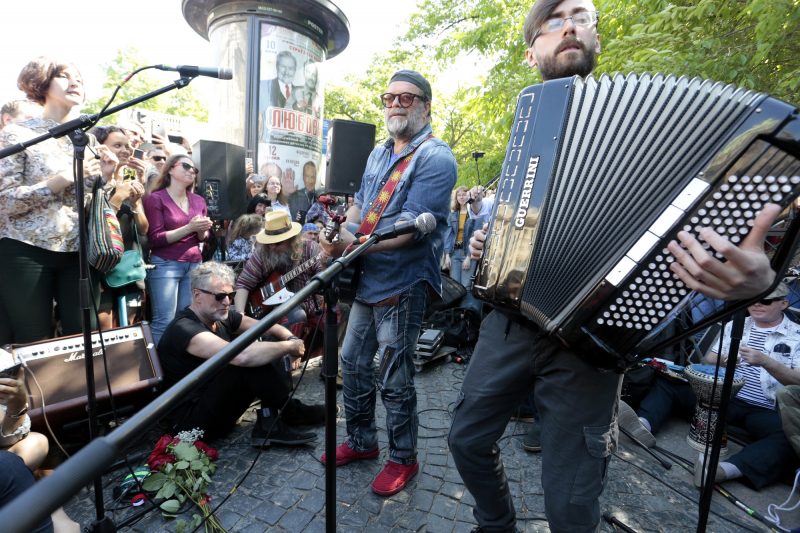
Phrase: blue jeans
(170, 290)
(391, 331)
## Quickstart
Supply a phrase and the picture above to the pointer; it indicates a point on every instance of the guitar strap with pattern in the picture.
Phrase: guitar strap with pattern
(382, 200)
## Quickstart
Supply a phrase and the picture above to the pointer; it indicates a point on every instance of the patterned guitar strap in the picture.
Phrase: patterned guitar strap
(382, 200)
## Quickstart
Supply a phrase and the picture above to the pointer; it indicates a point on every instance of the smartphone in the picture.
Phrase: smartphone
(177, 139)
(11, 372)
(138, 153)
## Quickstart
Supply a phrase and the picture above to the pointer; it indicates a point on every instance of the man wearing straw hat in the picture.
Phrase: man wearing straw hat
(281, 249)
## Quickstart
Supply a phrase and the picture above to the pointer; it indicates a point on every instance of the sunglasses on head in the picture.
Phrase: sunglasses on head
(219, 296)
(189, 167)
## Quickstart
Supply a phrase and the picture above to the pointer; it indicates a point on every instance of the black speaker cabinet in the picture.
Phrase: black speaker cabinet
(349, 146)
(221, 178)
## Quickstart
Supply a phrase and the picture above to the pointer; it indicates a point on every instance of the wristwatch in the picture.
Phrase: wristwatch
(22, 412)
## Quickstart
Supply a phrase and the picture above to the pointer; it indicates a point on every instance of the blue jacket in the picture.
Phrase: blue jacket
(424, 187)
(470, 226)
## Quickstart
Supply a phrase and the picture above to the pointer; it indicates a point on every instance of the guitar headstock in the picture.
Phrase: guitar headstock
(331, 229)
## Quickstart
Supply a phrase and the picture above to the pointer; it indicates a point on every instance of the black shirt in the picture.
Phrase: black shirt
(176, 362)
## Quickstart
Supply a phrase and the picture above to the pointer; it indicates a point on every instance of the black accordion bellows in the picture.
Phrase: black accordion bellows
(600, 174)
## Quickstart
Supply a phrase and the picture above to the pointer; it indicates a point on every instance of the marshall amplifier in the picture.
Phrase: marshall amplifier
(55, 375)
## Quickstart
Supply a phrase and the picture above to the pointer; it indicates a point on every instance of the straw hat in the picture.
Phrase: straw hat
(278, 227)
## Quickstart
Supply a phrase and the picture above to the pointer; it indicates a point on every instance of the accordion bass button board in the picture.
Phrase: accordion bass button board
(600, 174)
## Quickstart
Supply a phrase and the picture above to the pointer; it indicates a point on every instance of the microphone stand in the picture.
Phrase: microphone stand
(330, 369)
(74, 130)
(737, 330)
(30, 507)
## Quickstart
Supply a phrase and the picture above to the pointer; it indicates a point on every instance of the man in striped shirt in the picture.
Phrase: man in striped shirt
(769, 359)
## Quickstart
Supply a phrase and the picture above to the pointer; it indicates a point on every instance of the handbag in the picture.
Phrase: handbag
(105, 245)
(130, 268)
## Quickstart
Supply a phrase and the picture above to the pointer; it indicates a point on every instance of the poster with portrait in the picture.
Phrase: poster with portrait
(290, 99)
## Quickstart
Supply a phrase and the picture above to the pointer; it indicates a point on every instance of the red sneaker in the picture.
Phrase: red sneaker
(345, 453)
(393, 478)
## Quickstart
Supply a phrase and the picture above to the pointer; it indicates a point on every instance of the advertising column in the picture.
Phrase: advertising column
(290, 100)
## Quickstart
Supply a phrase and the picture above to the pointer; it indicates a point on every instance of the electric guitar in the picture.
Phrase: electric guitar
(273, 291)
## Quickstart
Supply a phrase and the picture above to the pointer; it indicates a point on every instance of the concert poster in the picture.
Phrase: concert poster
(290, 100)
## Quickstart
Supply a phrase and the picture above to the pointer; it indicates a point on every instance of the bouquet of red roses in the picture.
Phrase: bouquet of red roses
(181, 469)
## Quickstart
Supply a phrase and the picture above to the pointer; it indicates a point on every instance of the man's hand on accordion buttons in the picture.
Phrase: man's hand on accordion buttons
(746, 271)
(476, 242)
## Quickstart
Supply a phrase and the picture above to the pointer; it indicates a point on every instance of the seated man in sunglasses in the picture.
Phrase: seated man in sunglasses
(769, 359)
(199, 332)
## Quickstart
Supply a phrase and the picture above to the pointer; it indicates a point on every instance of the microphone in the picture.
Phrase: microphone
(193, 71)
(424, 223)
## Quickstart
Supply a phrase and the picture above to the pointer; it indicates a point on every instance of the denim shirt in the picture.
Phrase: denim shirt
(470, 226)
(424, 187)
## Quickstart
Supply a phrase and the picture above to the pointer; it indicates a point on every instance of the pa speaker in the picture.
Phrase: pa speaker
(349, 146)
(222, 178)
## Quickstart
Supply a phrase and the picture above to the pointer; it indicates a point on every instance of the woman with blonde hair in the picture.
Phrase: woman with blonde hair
(240, 236)
(460, 227)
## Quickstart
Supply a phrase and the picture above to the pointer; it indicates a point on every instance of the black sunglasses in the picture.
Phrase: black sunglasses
(159, 158)
(188, 166)
(769, 301)
(219, 296)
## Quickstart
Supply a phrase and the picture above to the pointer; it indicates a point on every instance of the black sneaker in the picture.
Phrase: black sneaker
(296, 413)
(280, 434)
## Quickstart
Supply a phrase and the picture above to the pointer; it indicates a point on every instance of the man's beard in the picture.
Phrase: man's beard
(407, 126)
(551, 68)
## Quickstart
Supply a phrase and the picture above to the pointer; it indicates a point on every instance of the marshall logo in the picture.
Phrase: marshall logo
(288, 119)
(78, 356)
(525, 197)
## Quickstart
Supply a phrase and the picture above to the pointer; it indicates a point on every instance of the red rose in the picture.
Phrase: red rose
(161, 445)
(206, 449)
(157, 460)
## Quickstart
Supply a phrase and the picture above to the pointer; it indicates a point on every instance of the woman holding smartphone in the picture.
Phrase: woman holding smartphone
(179, 223)
(126, 191)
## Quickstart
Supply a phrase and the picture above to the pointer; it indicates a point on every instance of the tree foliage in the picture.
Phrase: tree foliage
(182, 102)
(751, 43)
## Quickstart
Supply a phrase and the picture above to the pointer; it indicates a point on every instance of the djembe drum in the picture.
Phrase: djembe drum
(706, 411)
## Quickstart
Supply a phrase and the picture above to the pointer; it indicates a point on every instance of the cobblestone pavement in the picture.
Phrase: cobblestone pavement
(285, 489)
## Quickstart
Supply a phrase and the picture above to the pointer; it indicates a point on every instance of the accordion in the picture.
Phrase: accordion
(600, 174)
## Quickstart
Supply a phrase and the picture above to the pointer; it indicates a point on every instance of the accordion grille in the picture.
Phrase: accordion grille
(629, 143)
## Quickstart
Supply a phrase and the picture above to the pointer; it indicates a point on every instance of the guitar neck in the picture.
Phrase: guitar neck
(296, 271)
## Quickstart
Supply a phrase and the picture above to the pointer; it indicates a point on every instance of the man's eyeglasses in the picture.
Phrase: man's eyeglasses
(219, 296)
(158, 158)
(581, 18)
(189, 167)
(406, 99)
(770, 301)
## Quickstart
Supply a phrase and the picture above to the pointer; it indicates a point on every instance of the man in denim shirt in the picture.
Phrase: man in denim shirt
(396, 276)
